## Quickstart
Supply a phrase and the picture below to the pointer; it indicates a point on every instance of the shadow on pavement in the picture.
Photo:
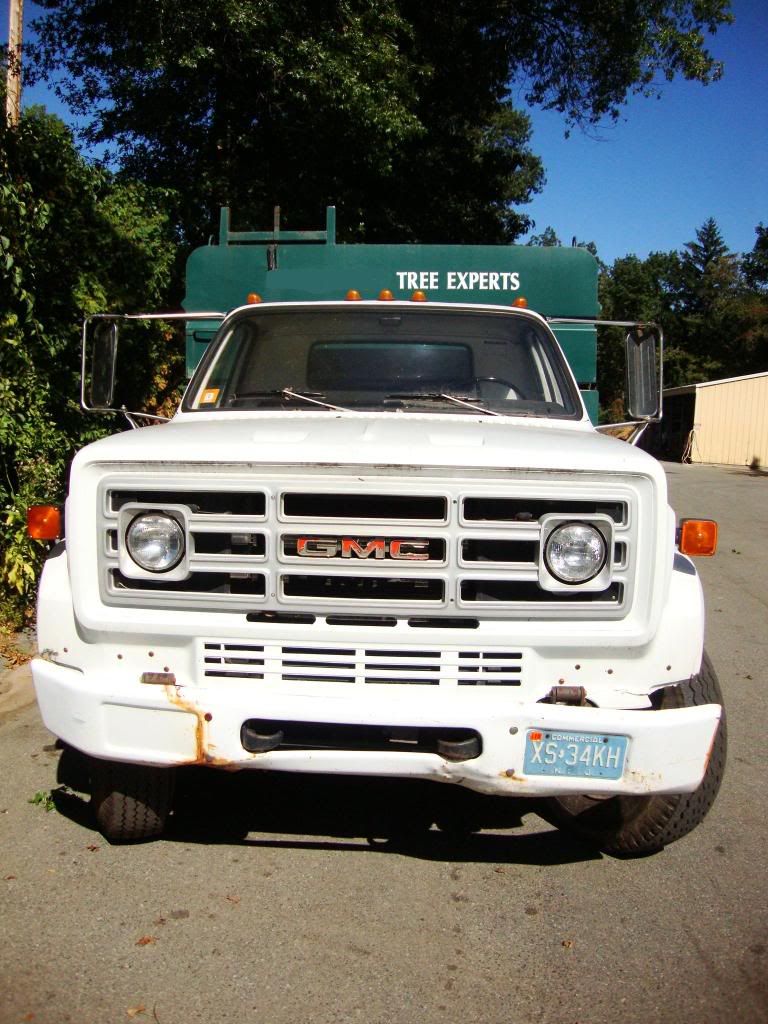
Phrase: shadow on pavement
(367, 815)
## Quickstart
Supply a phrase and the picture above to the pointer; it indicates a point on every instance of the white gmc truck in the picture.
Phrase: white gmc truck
(383, 538)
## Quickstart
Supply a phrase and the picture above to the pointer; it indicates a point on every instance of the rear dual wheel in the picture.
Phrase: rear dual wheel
(131, 802)
(637, 825)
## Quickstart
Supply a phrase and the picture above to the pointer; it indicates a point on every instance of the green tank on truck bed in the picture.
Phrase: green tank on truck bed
(306, 266)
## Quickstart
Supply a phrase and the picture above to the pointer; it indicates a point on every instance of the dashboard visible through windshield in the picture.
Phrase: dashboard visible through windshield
(374, 358)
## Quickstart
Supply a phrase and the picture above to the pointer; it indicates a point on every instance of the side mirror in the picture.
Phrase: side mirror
(643, 385)
(100, 392)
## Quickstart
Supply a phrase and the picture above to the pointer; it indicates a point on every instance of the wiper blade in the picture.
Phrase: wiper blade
(439, 396)
(288, 393)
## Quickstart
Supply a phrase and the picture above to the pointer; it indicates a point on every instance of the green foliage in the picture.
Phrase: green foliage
(755, 264)
(584, 59)
(711, 303)
(548, 238)
(397, 112)
(44, 800)
(74, 240)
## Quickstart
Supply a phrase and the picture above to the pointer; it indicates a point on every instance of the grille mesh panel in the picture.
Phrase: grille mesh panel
(451, 551)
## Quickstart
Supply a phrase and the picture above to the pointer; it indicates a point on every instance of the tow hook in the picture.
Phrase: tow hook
(575, 695)
(455, 748)
(258, 740)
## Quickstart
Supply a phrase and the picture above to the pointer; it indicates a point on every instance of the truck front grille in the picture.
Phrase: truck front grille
(320, 545)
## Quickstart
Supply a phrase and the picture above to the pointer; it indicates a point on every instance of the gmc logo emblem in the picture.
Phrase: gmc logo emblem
(357, 547)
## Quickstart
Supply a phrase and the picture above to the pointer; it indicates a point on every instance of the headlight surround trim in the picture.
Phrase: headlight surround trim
(177, 568)
(601, 528)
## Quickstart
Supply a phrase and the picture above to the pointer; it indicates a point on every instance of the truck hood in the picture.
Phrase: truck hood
(379, 441)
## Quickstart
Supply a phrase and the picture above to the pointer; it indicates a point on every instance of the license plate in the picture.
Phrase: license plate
(581, 755)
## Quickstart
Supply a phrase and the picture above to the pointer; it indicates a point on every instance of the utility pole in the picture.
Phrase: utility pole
(13, 75)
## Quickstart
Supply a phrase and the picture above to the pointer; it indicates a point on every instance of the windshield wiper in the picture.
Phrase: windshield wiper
(439, 396)
(288, 393)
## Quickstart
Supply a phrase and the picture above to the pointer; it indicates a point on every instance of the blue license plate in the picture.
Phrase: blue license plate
(582, 755)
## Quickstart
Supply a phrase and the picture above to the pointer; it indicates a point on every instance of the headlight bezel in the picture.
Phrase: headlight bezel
(603, 526)
(128, 564)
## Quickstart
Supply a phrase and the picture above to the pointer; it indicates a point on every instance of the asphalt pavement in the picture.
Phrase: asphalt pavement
(281, 900)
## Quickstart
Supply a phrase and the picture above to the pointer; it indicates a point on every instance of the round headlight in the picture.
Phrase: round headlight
(155, 542)
(575, 552)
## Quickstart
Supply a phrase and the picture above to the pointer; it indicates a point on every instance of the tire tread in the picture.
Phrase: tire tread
(633, 826)
(131, 802)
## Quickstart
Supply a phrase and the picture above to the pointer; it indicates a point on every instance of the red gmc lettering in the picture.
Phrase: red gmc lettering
(317, 547)
(349, 546)
(418, 549)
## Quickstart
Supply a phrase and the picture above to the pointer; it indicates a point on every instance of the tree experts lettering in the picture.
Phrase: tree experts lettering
(459, 280)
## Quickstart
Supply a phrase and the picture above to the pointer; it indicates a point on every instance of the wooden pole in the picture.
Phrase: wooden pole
(13, 76)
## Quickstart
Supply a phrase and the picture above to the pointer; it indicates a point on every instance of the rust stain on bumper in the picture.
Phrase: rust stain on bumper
(203, 756)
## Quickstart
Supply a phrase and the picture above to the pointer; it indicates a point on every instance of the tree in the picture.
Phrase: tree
(400, 114)
(755, 264)
(751, 306)
(73, 240)
(706, 268)
(711, 304)
(548, 238)
(701, 296)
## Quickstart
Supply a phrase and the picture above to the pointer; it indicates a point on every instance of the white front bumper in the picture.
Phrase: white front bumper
(175, 725)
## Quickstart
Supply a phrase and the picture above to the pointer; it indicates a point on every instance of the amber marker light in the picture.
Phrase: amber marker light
(44, 522)
(385, 295)
(698, 537)
(521, 302)
(419, 296)
(353, 295)
(253, 299)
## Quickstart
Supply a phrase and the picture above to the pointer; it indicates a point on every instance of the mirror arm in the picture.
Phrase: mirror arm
(130, 414)
(116, 318)
(594, 322)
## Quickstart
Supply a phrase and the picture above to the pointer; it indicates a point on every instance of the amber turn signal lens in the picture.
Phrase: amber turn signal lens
(353, 295)
(521, 302)
(419, 297)
(385, 295)
(253, 299)
(44, 522)
(698, 537)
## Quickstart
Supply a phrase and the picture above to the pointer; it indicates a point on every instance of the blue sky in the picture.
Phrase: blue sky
(648, 182)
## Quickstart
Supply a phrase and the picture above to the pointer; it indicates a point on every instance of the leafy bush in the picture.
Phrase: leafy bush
(75, 239)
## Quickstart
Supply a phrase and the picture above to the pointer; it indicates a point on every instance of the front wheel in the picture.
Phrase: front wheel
(131, 802)
(636, 825)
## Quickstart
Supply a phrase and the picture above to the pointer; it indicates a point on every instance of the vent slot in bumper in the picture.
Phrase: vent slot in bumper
(258, 735)
(302, 663)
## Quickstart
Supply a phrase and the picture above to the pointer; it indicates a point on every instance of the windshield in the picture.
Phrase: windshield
(434, 360)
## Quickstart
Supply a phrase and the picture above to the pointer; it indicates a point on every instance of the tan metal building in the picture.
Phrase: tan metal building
(723, 422)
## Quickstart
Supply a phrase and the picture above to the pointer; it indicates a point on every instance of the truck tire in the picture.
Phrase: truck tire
(130, 802)
(632, 826)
